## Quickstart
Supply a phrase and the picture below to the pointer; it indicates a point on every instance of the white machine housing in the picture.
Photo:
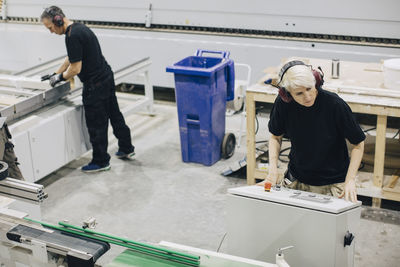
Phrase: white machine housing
(260, 222)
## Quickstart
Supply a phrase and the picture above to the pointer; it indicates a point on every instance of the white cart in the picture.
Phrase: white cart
(321, 228)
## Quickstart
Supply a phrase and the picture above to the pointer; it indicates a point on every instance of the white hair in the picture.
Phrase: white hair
(298, 76)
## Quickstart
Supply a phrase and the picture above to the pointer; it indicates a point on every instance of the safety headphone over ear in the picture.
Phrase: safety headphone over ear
(283, 93)
(57, 19)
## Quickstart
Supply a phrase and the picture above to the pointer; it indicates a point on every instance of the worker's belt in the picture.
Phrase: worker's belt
(288, 178)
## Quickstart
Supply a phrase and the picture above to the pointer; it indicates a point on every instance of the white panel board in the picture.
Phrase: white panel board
(296, 198)
(22, 150)
(33, 210)
(77, 137)
(48, 144)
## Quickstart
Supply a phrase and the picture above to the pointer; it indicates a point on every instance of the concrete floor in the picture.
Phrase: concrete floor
(158, 197)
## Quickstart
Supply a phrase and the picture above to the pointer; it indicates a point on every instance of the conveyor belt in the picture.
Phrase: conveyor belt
(249, 33)
(82, 250)
(150, 250)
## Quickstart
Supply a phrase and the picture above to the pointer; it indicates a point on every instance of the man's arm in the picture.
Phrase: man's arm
(64, 66)
(274, 147)
(73, 69)
(350, 192)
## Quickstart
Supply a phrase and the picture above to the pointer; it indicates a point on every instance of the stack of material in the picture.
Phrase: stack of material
(22, 190)
(21, 95)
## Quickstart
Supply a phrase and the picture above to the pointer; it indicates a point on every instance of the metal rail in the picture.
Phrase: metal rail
(26, 191)
(29, 94)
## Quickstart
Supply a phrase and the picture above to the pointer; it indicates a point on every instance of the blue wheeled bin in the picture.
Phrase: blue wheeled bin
(202, 87)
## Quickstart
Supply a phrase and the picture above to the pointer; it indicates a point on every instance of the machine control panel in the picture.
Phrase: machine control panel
(311, 197)
(296, 198)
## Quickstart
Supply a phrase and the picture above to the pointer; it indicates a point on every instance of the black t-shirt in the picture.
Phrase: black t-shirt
(319, 154)
(82, 45)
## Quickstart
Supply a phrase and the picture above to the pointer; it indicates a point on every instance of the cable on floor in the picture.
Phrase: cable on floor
(284, 155)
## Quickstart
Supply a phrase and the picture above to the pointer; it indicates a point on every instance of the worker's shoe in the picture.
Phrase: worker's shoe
(122, 155)
(92, 167)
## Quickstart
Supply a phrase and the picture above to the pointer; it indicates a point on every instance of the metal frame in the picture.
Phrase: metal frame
(36, 94)
(31, 99)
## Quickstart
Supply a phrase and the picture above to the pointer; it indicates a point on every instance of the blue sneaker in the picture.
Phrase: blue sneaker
(122, 155)
(92, 167)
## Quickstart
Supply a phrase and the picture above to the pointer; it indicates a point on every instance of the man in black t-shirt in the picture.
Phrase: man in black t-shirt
(318, 123)
(86, 60)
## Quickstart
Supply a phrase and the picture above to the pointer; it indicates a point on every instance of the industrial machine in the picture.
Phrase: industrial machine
(322, 229)
(26, 242)
(48, 124)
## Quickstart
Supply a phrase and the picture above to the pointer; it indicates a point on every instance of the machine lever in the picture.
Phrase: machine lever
(348, 238)
(280, 250)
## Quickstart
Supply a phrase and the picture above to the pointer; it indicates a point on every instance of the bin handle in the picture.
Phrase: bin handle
(225, 54)
(191, 121)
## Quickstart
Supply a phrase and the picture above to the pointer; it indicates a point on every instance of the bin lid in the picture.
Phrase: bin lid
(296, 198)
(198, 66)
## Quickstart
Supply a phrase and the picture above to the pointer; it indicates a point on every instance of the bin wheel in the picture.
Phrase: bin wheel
(228, 145)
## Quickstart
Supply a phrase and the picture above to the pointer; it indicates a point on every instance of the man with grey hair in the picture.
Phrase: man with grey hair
(86, 60)
(318, 123)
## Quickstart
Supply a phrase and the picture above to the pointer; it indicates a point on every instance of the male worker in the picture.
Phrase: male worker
(7, 153)
(317, 122)
(86, 60)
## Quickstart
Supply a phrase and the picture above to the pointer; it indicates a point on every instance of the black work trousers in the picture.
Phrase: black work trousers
(101, 105)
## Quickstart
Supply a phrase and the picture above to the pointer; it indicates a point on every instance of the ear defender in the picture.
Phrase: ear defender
(58, 20)
(283, 93)
(319, 77)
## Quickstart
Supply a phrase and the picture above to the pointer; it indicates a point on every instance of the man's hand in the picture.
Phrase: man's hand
(56, 79)
(271, 178)
(349, 192)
